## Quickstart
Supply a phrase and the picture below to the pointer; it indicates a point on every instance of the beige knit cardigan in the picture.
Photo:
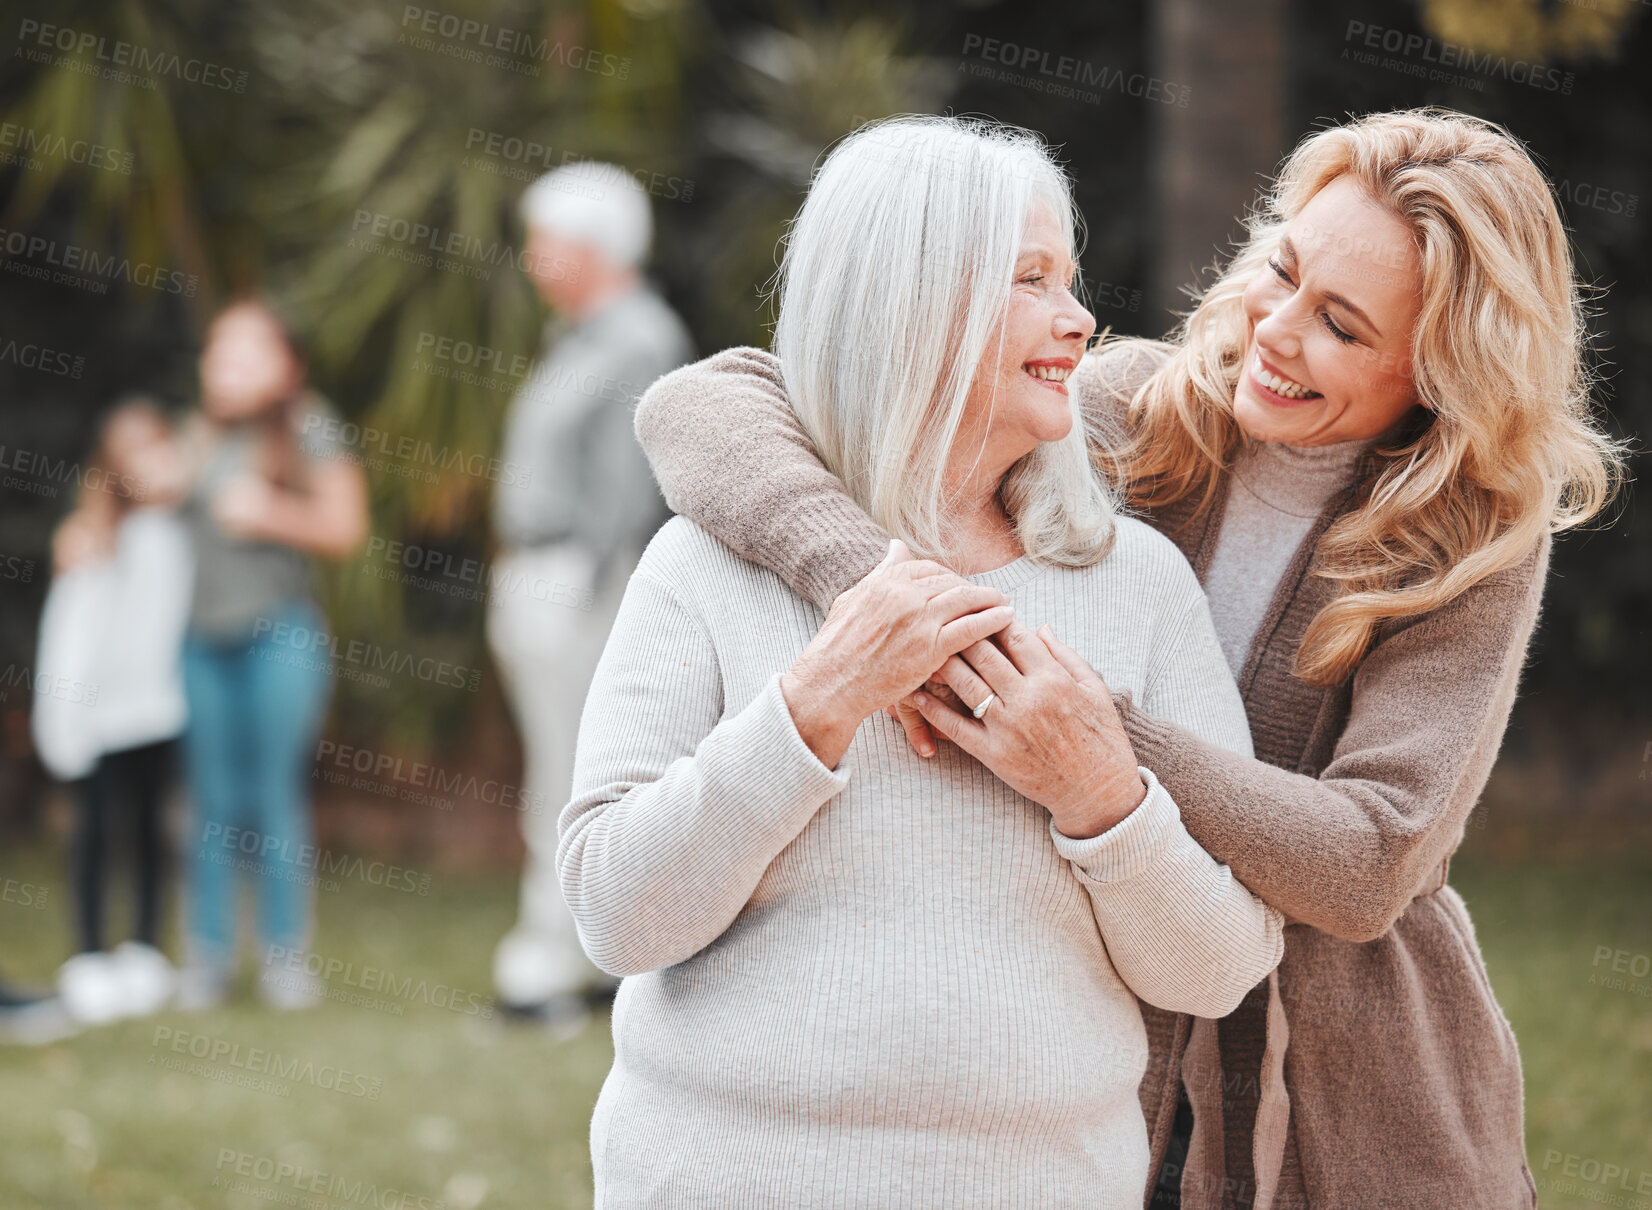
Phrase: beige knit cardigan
(1379, 1072)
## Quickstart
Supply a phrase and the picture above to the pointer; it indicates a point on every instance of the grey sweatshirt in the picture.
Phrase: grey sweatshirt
(889, 983)
(583, 477)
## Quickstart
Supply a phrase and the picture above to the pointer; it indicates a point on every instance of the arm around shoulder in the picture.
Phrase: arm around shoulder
(1105, 382)
(1346, 851)
(730, 454)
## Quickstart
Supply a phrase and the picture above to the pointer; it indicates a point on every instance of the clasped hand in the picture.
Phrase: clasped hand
(1050, 733)
(881, 639)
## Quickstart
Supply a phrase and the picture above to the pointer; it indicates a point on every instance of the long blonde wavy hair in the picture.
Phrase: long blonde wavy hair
(1509, 448)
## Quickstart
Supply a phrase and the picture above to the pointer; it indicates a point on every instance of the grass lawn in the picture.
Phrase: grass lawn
(445, 1106)
(1585, 1032)
(441, 1106)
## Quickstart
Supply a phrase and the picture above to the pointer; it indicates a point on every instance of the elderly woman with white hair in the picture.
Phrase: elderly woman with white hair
(853, 976)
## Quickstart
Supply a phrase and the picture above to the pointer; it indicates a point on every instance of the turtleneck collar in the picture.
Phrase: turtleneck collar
(1297, 479)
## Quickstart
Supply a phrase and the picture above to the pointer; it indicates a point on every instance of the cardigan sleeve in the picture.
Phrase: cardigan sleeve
(730, 454)
(676, 811)
(1347, 851)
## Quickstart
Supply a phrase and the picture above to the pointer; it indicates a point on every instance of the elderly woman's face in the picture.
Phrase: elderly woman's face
(1332, 316)
(1020, 388)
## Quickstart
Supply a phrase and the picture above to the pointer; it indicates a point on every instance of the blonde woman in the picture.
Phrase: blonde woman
(1361, 438)
(852, 976)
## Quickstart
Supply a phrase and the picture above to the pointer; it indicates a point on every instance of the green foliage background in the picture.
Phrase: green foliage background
(346, 109)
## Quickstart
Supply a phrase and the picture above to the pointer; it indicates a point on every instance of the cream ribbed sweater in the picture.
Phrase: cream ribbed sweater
(891, 983)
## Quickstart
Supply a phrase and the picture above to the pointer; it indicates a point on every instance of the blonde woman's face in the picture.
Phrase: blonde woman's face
(1022, 385)
(1332, 316)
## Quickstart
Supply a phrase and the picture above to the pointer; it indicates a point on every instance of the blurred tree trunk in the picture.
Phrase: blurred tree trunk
(1210, 157)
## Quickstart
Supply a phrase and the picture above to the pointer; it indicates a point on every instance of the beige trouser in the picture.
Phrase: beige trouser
(546, 626)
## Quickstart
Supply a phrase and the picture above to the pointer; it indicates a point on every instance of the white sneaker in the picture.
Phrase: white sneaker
(149, 978)
(289, 990)
(92, 989)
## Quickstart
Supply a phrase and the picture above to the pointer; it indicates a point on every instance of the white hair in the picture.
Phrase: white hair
(594, 203)
(896, 277)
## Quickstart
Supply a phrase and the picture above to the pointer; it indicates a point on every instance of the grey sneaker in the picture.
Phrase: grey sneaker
(200, 988)
(36, 1023)
(562, 1016)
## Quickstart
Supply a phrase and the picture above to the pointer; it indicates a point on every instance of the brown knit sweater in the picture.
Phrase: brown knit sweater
(1402, 1075)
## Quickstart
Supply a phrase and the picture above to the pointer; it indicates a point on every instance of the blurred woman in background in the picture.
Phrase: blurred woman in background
(265, 493)
(1362, 438)
(111, 635)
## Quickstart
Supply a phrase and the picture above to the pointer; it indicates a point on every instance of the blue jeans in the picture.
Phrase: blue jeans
(255, 711)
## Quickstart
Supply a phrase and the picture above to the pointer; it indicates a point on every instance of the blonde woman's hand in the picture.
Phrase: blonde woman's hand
(1051, 732)
(881, 640)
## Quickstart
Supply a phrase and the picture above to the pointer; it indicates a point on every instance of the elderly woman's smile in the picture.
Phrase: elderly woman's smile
(1052, 371)
(1020, 389)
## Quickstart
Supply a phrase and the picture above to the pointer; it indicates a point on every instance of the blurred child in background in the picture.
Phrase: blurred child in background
(111, 634)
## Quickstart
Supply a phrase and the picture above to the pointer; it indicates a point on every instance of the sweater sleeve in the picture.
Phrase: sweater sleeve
(1347, 851)
(677, 811)
(62, 717)
(730, 454)
(159, 568)
(1180, 929)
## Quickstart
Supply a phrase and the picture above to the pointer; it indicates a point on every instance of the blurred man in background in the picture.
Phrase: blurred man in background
(571, 524)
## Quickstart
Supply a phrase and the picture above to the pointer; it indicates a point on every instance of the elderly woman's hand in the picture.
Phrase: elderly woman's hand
(1049, 732)
(881, 640)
